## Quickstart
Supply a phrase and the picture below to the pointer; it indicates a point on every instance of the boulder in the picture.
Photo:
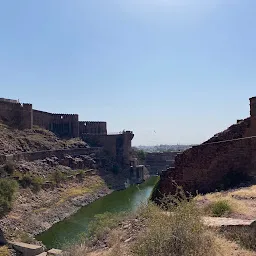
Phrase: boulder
(55, 252)
(27, 249)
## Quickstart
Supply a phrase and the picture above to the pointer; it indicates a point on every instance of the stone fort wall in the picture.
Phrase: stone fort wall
(90, 127)
(203, 168)
(23, 116)
(160, 161)
(63, 125)
(15, 114)
(227, 156)
(117, 145)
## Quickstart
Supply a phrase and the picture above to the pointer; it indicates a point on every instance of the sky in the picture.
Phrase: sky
(172, 71)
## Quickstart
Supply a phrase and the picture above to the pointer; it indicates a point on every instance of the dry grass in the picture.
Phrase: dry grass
(230, 248)
(236, 206)
(246, 193)
(4, 251)
(180, 233)
(90, 185)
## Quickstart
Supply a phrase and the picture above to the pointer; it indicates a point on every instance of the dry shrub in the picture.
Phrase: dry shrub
(77, 250)
(114, 243)
(4, 251)
(245, 236)
(180, 232)
(104, 223)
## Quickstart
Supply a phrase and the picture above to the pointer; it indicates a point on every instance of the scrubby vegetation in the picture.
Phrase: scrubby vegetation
(218, 208)
(9, 168)
(179, 233)
(57, 177)
(4, 251)
(103, 223)
(7, 190)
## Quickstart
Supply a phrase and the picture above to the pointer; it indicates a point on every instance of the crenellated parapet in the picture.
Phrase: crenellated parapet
(92, 127)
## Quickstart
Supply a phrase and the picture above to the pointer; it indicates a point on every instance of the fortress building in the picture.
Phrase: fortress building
(23, 116)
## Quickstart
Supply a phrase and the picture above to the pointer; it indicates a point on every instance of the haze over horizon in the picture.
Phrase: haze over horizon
(170, 71)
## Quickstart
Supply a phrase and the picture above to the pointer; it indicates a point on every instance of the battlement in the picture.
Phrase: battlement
(92, 127)
(65, 115)
(8, 100)
(93, 122)
(253, 106)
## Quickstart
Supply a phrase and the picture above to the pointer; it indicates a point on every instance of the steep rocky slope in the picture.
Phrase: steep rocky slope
(15, 141)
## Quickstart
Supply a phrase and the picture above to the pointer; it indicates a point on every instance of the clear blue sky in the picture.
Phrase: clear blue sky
(173, 71)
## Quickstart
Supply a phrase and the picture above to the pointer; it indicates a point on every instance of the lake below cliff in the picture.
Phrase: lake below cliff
(71, 229)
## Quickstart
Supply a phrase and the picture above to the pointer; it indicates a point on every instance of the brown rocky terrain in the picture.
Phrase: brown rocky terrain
(16, 141)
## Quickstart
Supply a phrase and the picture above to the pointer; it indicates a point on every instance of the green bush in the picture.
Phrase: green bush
(7, 190)
(141, 155)
(36, 184)
(26, 180)
(9, 168)
(103, 223)
(58, 176)
(219, 208)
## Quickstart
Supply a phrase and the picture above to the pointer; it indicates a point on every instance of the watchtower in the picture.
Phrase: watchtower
(253, 106)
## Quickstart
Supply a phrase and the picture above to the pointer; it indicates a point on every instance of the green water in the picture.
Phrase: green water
(70, 230)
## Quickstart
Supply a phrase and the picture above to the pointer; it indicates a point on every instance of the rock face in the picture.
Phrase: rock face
(2, 239)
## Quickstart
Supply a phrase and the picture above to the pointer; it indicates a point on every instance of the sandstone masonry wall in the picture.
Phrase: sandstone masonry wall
(91, 127)
(64, 125)
(202, 168)
(160, 161)
(15, 114)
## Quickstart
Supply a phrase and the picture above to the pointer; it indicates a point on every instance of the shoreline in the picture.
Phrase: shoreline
(33, 214)
(72, 208)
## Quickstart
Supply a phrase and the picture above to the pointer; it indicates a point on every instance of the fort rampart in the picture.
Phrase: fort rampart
(15, 114)
(208, 166)
(22, 116)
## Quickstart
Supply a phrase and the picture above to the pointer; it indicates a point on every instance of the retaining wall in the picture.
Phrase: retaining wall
(203, 168)
(32, 156)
